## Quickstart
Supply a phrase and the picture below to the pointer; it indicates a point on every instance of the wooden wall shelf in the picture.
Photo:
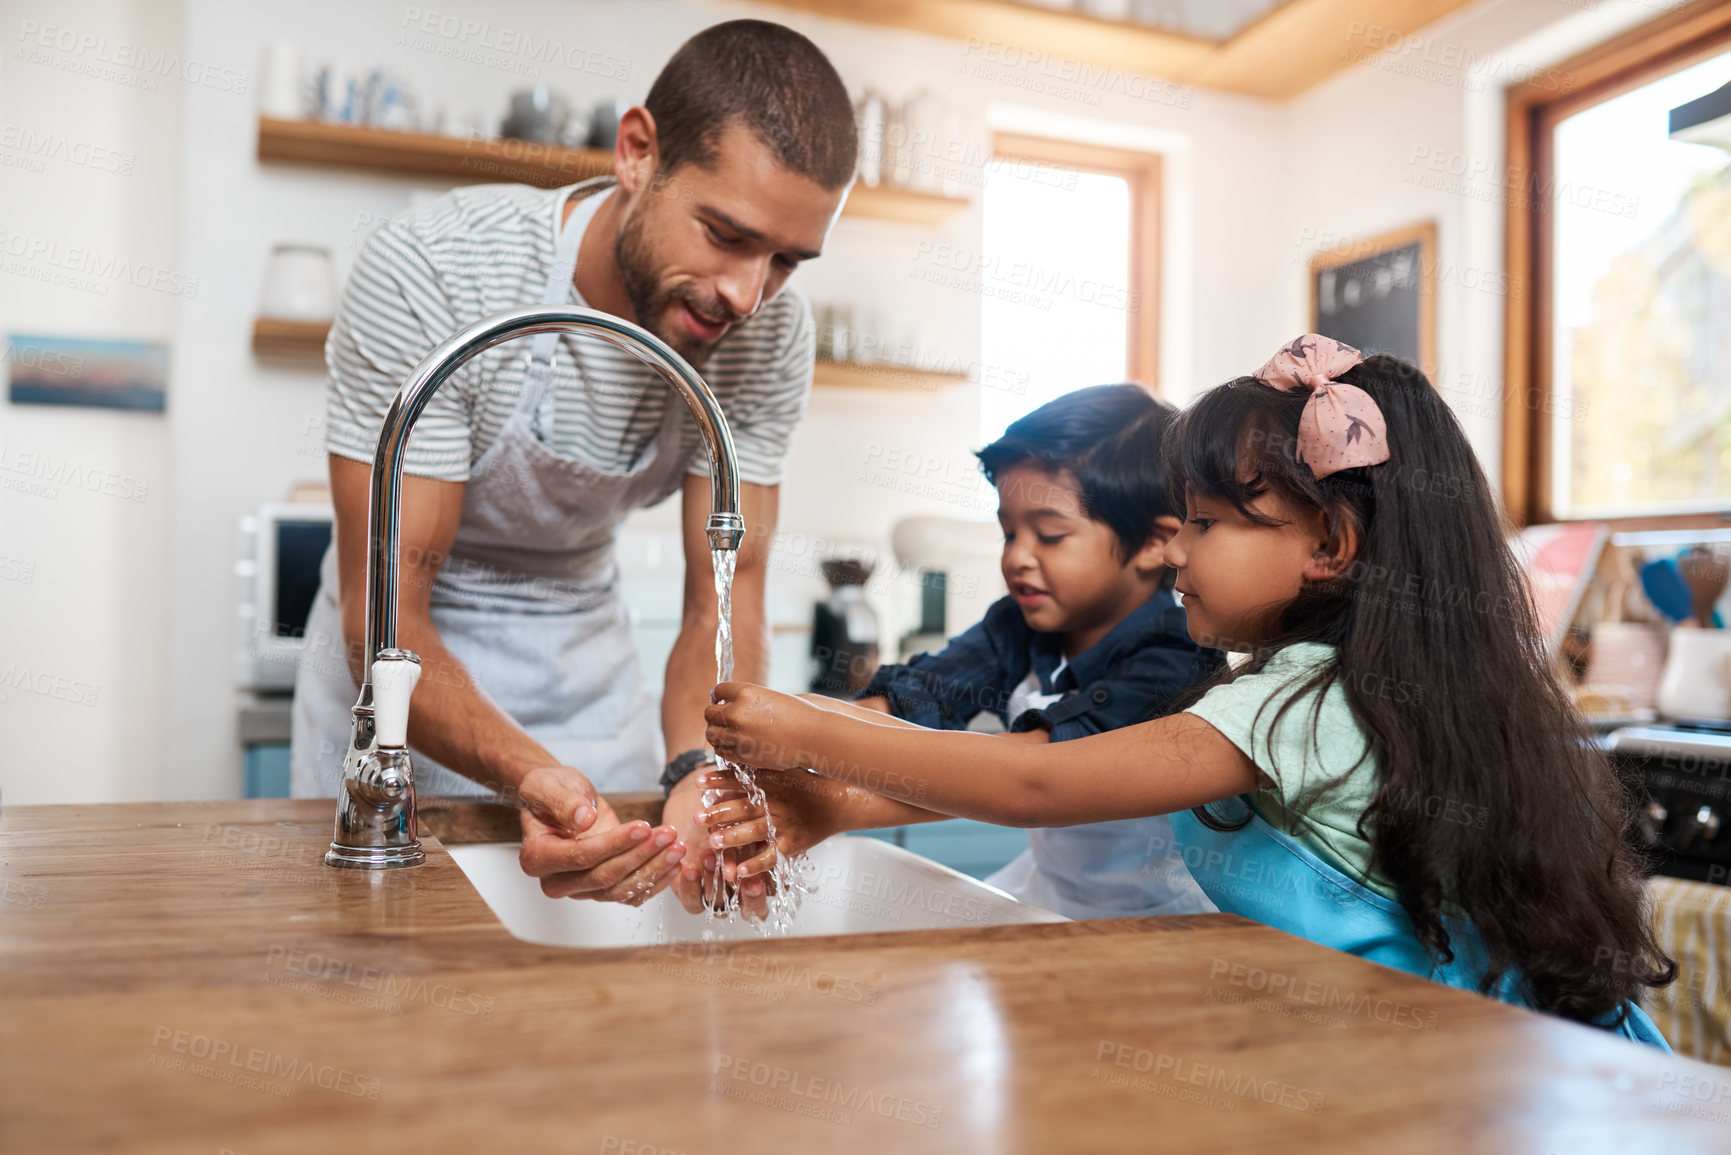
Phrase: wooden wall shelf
(903, 206)
(295, 340)
(305, 341)
(852, 375)
(520, 162)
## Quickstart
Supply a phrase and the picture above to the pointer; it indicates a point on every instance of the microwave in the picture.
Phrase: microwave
(281, 547)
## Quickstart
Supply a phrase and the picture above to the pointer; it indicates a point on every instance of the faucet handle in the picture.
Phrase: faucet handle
(395, 673)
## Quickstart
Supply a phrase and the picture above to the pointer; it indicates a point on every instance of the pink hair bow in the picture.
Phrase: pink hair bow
(1341, 427)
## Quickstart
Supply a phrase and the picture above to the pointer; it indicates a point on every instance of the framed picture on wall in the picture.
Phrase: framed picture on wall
(86, 372)
(1379, 294)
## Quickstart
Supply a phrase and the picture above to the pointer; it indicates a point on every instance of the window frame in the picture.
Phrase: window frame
(1533, 111)
(1142, 171)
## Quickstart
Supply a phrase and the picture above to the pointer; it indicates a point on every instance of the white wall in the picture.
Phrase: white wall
(139, 598)
(83, 574)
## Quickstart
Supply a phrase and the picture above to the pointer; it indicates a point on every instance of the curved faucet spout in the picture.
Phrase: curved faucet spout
(726, 527)
(375, 826)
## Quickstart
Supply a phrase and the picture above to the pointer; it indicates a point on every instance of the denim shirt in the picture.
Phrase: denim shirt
(1130, 675)
(1121, 869)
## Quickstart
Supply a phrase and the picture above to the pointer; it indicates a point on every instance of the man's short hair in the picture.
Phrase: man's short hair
(770, 79)
(1110, 439)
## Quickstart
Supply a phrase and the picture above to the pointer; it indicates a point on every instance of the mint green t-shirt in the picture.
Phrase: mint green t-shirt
(1310, 747)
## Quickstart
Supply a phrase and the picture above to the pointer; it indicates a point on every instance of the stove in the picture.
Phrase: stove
(1681, 773)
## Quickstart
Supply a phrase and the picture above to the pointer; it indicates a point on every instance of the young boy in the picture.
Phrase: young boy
(1089, 638)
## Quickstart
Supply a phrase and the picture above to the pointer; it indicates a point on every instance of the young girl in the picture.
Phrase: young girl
(1392, 771)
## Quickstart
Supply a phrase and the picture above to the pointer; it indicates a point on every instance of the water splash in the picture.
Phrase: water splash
(791, 878)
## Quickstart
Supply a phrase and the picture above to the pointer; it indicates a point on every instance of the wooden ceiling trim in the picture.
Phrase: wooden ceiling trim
(1301, 44)
(1275, 57)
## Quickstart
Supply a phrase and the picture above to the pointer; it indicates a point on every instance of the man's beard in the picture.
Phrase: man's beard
(650, 301)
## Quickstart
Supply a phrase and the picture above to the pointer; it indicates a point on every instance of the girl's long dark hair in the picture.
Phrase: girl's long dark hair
(1491, 800)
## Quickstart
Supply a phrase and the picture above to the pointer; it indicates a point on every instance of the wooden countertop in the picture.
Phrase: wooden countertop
(190, 977)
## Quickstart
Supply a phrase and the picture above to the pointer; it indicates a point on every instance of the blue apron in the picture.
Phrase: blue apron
(1128, 868)
(1262, 874)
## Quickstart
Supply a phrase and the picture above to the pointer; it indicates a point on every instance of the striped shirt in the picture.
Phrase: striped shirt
(479, 250)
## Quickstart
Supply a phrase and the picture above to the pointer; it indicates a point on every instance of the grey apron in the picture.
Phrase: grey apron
(529, 598)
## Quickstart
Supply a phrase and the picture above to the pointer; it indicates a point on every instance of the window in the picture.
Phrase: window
(1619, 362)
(1067, 274)
(1641, 307)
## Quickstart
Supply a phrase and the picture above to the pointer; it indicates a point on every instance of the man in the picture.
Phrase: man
(525, 462)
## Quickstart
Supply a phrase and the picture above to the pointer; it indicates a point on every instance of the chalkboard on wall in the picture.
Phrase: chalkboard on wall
(1379, 295)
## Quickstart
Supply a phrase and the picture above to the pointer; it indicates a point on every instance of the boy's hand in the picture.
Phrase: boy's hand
(699, 885)
(806, 810)
(762, 728)
(706, 890)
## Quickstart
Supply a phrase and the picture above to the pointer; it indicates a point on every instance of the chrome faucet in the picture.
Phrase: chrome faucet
(375, 828)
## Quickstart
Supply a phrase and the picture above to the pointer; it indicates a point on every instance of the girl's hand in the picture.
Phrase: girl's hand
(759, 727)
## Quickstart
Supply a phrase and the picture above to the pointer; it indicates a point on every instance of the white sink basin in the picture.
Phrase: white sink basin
(863, 886)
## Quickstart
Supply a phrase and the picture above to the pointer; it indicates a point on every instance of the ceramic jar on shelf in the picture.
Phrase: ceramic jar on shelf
(299, 284)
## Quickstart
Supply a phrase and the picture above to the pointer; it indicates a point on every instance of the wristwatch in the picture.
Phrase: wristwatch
(684, 764)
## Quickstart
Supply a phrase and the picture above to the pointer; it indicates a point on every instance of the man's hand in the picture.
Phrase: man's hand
(578, 848)
(697, 871)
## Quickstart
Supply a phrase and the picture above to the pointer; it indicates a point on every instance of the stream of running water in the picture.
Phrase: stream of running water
(790, 880)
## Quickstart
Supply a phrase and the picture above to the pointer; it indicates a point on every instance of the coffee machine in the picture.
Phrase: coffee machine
(844, 631)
